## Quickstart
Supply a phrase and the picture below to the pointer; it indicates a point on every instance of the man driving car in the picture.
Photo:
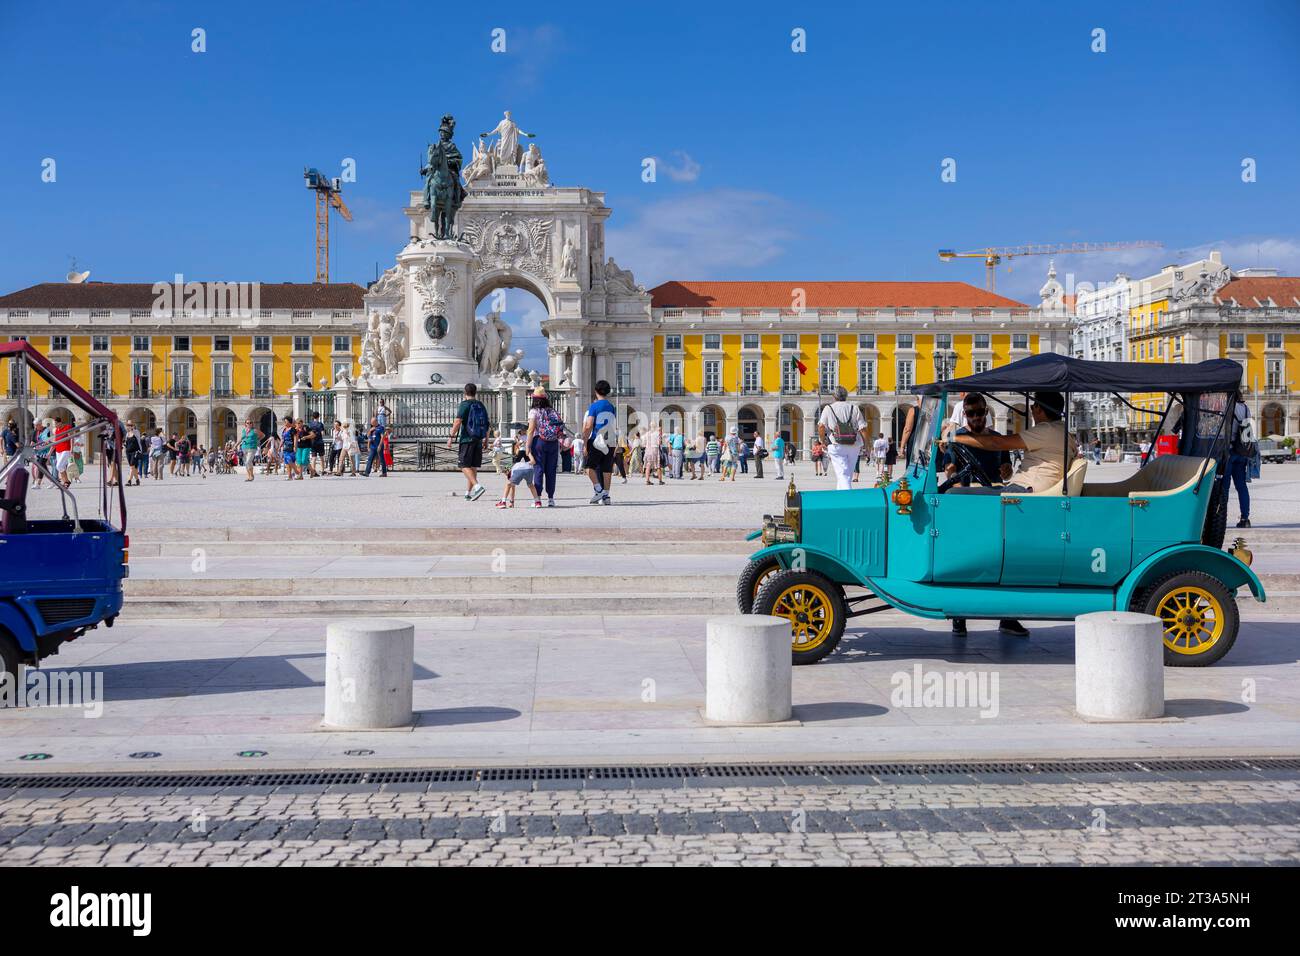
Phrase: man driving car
(1044, 445)
(995, 464)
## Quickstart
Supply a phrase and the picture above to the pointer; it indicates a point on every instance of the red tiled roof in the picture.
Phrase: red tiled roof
(140, 295)
(1283, 290)
(827, 295)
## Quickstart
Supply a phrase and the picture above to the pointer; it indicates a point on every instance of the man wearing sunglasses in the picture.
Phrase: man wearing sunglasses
(1048, 449)
(996, 464)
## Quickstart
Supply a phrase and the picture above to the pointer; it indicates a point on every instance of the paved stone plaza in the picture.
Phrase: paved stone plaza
(575, 636)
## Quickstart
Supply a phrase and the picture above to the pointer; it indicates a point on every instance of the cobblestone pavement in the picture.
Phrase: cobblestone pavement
(1201, 820)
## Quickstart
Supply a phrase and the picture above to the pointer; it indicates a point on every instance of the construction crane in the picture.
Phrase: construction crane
(993, 255)
(328, 193)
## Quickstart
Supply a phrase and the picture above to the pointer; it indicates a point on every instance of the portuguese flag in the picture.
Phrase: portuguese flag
(795, 364)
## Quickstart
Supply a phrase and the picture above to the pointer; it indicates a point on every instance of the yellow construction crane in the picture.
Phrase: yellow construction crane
(993, 255)
(328, 193)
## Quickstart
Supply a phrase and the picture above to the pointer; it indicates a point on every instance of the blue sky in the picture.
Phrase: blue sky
(816, 165)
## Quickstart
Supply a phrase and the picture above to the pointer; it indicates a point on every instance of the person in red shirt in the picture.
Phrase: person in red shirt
(62, 450)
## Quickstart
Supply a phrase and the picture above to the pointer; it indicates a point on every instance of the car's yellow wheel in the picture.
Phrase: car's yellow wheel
(1198, 614)
(814, 606)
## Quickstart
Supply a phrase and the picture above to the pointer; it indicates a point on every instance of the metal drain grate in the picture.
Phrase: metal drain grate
(472, 778)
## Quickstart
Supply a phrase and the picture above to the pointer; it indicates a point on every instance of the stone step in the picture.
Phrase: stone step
(451, 586)
(372, 605)
(693, 542)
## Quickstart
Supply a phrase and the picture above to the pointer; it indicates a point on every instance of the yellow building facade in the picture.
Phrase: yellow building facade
(194, 371)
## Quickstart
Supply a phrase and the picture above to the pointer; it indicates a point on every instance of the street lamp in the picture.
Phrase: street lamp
(945, 361)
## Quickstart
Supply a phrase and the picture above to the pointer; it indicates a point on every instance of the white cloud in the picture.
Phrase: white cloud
(701, 235)
(687, 170)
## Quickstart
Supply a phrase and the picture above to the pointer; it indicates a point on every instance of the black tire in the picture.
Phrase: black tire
(1216, 516)
(10, 658)
(750, 580)
(1149, 601)
(781, 589)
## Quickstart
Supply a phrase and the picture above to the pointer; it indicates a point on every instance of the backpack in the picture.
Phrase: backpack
(476, 420)
(844, 433)
(549, 425)
(1244, 441)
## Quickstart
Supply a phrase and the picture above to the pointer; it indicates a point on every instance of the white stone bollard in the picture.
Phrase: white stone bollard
(1119, 666)
(748, 669)
(369, 669)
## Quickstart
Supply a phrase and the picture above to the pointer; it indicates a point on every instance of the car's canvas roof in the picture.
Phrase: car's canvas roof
(1051, 372)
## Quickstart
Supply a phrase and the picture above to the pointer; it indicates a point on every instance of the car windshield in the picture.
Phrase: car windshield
(919, 433)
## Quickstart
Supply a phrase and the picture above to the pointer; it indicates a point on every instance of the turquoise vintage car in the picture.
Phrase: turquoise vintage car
(1150, 543)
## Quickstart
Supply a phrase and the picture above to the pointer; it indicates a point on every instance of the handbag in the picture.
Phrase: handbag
(762, 453)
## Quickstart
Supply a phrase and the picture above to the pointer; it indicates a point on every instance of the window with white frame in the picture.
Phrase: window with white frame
(141, 374)
(789, 377)
(261, 343)
(829, 376)
(139, 343)
(867, 340)
(302, 368)
(302, 343)
(1273, 340)
(905, 379)
(904, 340)
(99, 379)
(866, 375)
(673, 376)
(981, 340)
(181, 379)
(749, 340)
(340, 368)
(712, 376)
(180, 343)
(1273, 374)
(943, 340)
(221, 378)
(262, 379)
(623, 377)
(221, 343)
(789, 340)
(830, 341)
(981, 365)
(1236, 340)
(342, 343)
(99, 343)
(1020, 340)
(672, 343)
(713, 340)
(58, 343)
(749, 376)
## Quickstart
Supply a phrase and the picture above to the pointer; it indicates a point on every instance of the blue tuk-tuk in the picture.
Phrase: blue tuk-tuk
(927, 545)
(59, 577)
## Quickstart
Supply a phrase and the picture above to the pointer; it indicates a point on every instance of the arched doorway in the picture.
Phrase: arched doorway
(750, 422)
(871, 415)
(790, 426)
(1272, 421)
(713, 421)
(898, 422)
(16, 416)
(672, 420)
(144, 420)
(225, 426)
(183, 422)
(264, 420)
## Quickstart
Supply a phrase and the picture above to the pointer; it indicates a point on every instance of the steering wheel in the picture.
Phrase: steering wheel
(968, 466)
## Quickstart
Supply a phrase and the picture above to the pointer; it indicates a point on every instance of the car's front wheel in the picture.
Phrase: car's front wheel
(1198, 614)
(751, 579)
(813, 604)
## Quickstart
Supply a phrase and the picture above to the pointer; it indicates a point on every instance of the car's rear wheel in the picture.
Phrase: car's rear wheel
(1198, 614)
(751, 579)
(813, 604)
(10, 659)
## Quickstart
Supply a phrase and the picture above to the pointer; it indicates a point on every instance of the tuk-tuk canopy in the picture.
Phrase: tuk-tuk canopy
(49, 373)
(1050, 372)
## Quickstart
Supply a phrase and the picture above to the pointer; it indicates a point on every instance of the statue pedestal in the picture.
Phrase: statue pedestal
(439, 309)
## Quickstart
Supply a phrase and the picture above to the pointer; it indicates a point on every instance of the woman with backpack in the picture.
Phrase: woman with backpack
(545, 429)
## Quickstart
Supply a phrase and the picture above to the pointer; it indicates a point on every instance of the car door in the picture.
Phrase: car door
(1033, 539)
(1098, 541)
(967, 536)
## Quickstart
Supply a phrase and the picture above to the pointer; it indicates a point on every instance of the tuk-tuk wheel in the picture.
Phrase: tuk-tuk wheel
(9, 658)
(1199, 615)
(751, 579)
(813, 604)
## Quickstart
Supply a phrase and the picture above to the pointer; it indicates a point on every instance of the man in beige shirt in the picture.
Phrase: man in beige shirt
(1044, 445)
